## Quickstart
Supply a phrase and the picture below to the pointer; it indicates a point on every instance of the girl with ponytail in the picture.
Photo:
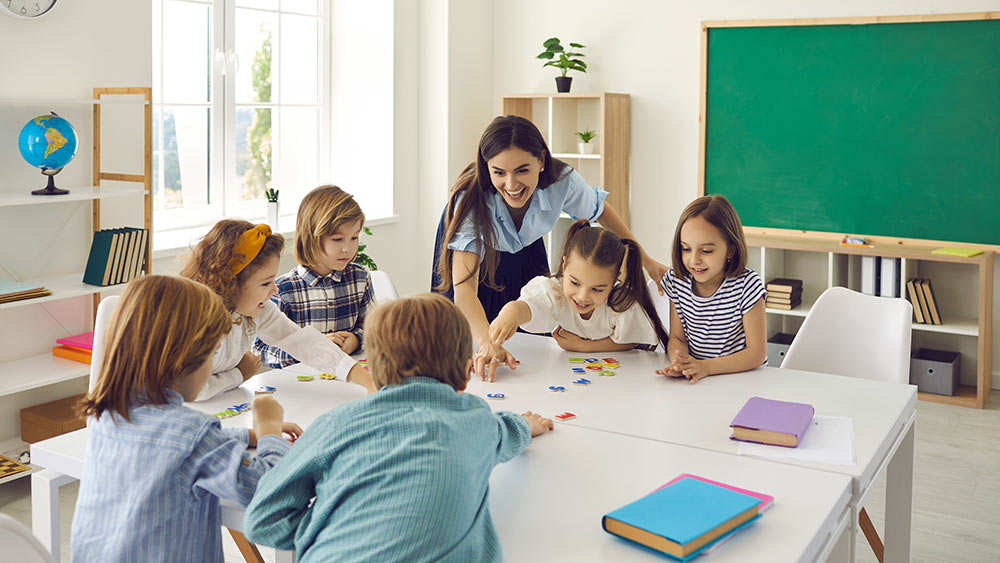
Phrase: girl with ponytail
(596, 302)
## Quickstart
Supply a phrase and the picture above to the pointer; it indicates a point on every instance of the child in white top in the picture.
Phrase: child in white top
(717, 321)
(239, 261)
(596, 302)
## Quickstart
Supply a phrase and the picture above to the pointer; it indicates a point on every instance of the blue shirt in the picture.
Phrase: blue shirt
(335, 302)
(399, 475)
(150, 487)
(569, 193)
(713, 325)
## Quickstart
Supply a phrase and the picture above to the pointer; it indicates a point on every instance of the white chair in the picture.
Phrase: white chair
(857, 335)
(382, 286)
(853, 334)
(662, 305)
(104, 310)
(19, 544)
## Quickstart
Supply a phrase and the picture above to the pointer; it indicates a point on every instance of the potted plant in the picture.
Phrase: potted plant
(562, 59)
(363, 258)
(584, 145)
(272, 208)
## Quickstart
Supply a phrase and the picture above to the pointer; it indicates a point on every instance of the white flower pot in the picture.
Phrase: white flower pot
(272, 216)
(585, 148)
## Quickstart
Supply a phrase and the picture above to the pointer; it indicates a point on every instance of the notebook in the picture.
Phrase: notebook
(767, 421)
(766, 501)
(956, 251)
(682, 518)
(83, 341)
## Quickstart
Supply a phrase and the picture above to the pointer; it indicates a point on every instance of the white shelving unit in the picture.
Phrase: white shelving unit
(966, 326)
(41, 370)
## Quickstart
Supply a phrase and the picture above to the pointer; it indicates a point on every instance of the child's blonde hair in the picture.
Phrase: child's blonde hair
(722, 215)
(604, 249)
(322, 213)
(422, 335)
(211, 259)
(163, 328)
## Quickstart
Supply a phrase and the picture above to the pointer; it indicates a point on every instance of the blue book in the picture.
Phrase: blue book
(681, 519)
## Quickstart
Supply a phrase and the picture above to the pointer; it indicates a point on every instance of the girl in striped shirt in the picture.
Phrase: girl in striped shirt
(717, 322)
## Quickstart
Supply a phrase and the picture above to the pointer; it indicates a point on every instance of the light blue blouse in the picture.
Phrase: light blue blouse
(570, 193)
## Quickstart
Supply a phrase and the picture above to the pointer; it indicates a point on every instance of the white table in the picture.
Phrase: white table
(638, 402)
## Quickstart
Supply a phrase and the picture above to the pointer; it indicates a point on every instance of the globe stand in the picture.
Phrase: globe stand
(51, 188)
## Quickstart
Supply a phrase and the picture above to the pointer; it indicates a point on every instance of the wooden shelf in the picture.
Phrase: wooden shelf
(62, 287)
(964, 396)
(800, 311)
(576, 155)
(87, 193)
(38, 371)
(908, 251)
(65, 101)
(964, 327)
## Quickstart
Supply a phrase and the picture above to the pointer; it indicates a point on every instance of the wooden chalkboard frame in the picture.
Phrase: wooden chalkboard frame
(820, 236)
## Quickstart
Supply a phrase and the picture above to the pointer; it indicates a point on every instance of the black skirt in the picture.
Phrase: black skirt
(514, 270)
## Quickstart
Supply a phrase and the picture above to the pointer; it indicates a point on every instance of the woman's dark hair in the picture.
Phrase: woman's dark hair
(473, 186)
(605, 249)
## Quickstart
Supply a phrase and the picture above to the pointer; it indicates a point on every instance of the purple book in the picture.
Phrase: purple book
(767, 421)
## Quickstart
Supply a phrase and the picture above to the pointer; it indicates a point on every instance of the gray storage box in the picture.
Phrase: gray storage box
(935, 371)
(777, 345)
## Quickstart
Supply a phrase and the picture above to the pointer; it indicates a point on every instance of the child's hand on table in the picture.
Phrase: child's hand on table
(569, 341)
(505, 325)
(347, 341)
(291, 430)
(488, 357)
(686, 366)
(538, 424)
(267, 416)
(249, 365)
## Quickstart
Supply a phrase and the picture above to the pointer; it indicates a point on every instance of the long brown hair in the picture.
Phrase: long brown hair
(473, 187)
(604, 249)
(322, 212)
(210, 259)
(722, 215)
(163, 329)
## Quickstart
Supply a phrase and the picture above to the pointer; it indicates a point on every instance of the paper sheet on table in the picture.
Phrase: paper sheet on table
(830, 439)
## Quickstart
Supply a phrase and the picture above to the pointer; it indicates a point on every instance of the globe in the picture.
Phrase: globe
(48, 142)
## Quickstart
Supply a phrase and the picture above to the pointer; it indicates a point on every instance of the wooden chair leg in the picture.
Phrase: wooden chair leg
(871, 534)
(250, 552)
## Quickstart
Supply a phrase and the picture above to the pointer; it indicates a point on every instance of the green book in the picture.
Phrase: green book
(97, 262)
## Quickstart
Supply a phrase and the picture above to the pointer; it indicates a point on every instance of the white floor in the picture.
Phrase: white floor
(956, 499)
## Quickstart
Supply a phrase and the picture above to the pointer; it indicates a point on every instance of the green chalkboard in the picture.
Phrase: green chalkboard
(888, 129)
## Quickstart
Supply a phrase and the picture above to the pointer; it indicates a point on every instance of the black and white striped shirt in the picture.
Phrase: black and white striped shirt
(713, 325)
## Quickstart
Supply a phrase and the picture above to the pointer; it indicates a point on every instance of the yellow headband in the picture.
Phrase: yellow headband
(248, 247)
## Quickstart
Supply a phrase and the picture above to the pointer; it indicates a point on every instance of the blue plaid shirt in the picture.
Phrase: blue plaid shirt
(335, 302)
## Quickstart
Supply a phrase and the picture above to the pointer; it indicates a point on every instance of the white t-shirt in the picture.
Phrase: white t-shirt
(550, 309)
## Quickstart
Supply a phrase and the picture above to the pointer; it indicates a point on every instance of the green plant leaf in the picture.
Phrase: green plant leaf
(545, 55)
(550, 41)
(367, 231)
(569, 54)
(576, 66)
(577, 45)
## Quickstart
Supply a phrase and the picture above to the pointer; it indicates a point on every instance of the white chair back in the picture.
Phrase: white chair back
(383, 286)
(19, 544)
(104, 310)
(853, 334)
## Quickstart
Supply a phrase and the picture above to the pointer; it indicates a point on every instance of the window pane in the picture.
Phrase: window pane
(186, 55)
(255, 37)
(253, 151)
(298, 153)
(300, 6)
(180, 169)
(299, 50)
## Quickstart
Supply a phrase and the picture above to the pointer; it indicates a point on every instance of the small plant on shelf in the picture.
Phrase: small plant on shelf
(584, 145)
(557, 56)
(363, 258)
(272, 195)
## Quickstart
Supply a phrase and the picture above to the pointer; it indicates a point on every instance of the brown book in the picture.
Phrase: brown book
(25, 295)
(786, 294)
(784, 284)
(784, 297)
(932, 307)
(110, 261)
(785, 306)
(912, 292)
(922, 301)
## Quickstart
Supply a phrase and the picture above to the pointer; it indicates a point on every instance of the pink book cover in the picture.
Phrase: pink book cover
(775, 416)
(83, 341)
(766, 501)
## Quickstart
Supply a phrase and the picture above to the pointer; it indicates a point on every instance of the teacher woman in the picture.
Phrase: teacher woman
(489, 241)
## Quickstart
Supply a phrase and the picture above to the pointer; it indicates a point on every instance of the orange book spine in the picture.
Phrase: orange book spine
(71, 354)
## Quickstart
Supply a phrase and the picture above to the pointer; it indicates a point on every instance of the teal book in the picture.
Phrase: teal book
(100, 248)
(683, 518)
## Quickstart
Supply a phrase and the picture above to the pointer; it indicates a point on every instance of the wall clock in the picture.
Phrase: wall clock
(26, 9)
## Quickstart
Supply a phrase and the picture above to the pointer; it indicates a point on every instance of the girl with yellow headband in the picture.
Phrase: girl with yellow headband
(239, 261)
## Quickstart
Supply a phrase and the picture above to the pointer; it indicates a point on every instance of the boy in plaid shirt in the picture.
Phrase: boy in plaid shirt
(326, 290)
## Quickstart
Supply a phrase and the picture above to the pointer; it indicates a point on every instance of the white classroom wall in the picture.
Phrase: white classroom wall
(452, 61)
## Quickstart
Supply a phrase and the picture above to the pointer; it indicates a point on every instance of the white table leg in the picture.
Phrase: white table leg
(899, 501)
(852, 534)
(45, 486)
(282, 556)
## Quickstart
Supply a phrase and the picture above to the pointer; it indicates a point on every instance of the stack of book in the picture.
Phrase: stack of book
(784, 293)
(116, 256)
(687, 516)
(925, 307)
(16, 291)
(78, 348)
